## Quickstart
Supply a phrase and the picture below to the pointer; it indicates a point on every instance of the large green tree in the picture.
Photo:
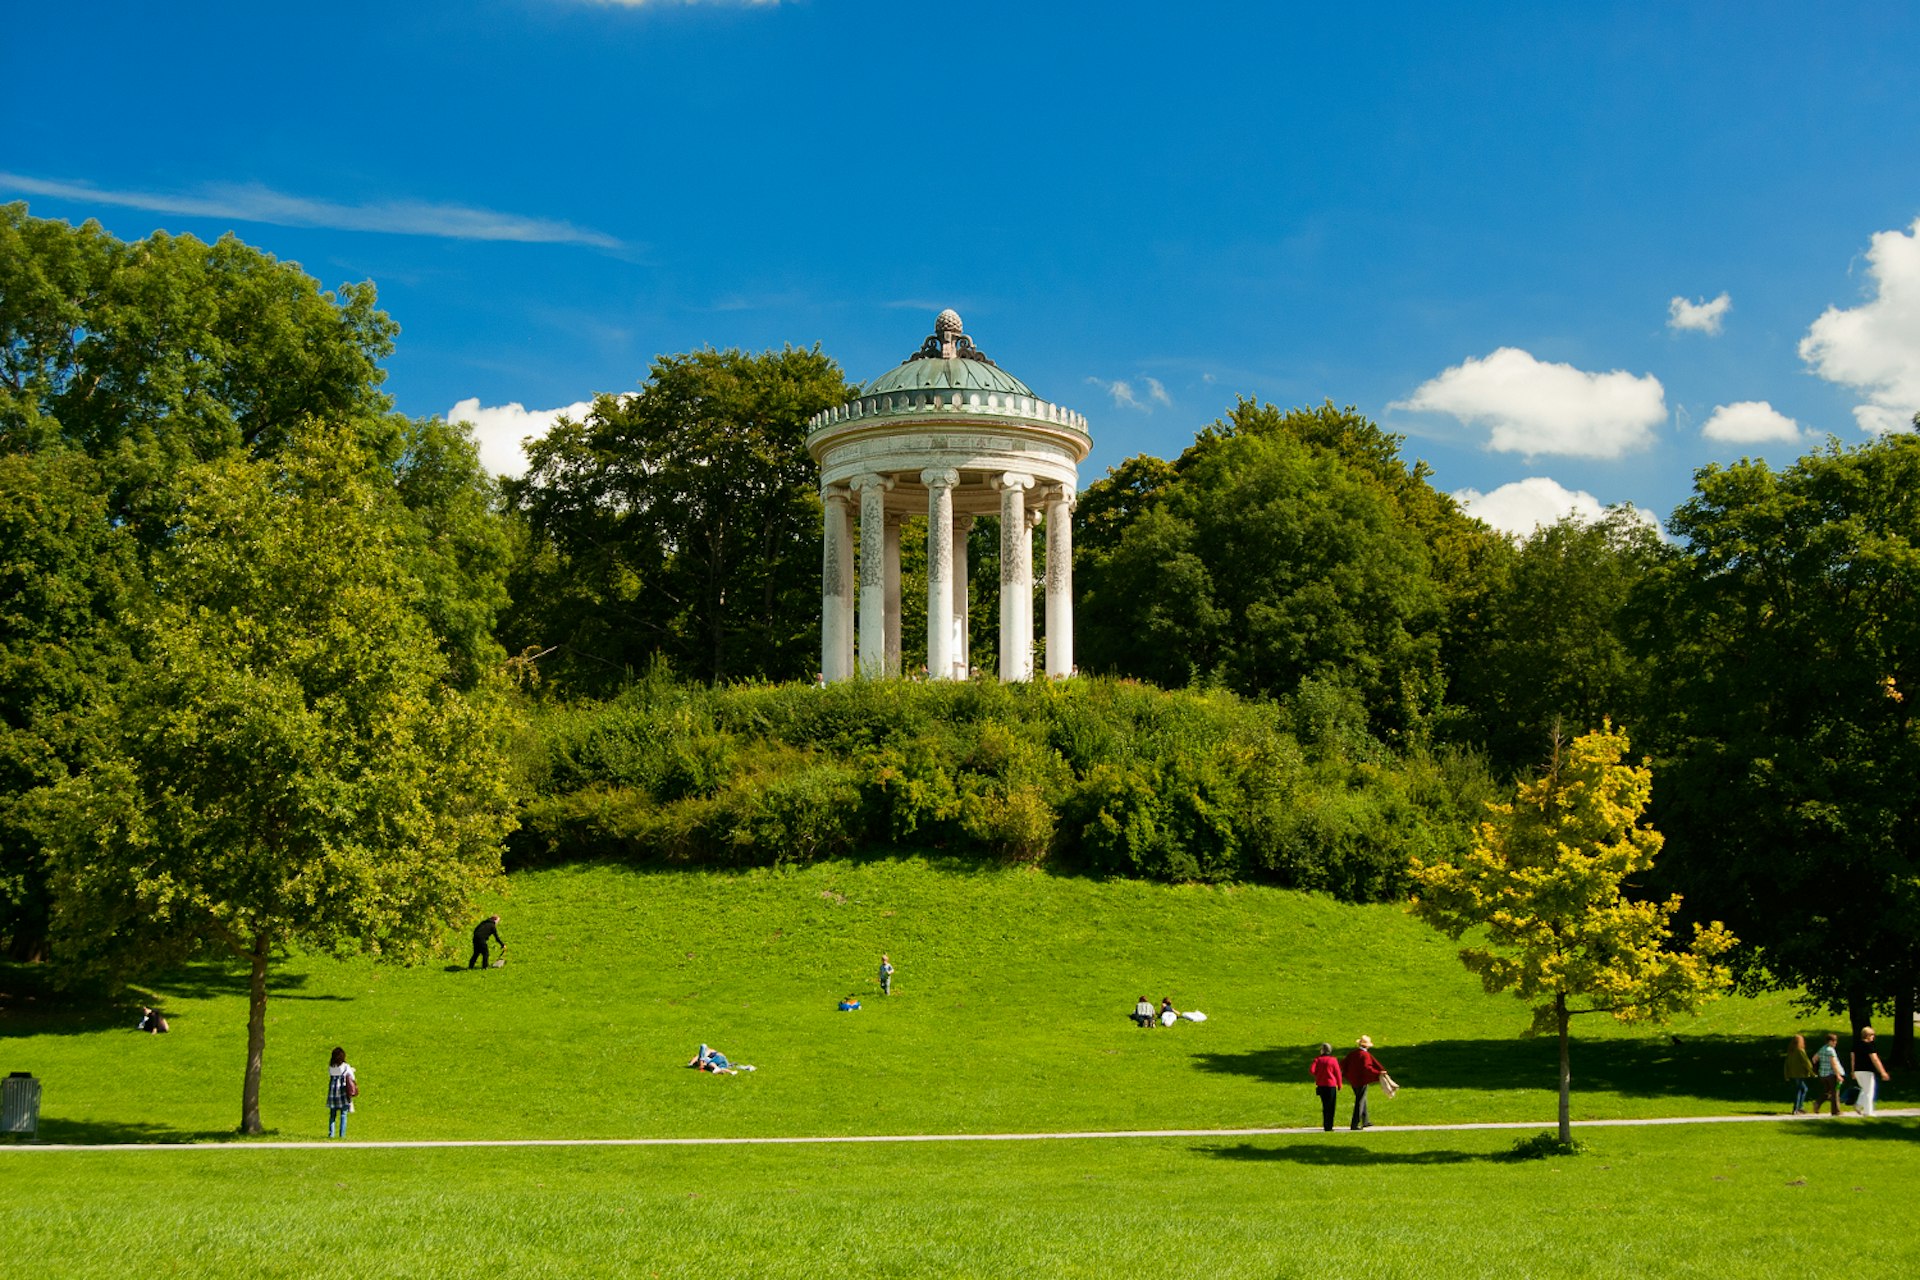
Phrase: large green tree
(1553, 645)
(290, 763)
(682, 520)
(1280, 548)
(1546, 894)
(1788, 636)
(123, 368)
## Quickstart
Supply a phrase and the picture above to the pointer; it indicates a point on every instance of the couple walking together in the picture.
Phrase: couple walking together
(1359, 1069)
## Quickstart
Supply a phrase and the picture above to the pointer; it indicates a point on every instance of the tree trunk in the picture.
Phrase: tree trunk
(256, 1035)
(1903, 1022)
(1859, 1008)
(1566, 1072)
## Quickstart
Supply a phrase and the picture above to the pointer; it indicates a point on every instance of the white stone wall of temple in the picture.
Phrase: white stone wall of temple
(873, 575)
(962, 646)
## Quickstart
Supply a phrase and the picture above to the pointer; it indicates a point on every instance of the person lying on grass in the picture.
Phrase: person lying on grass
(1142, 1014)
(711, 1060)
(849, 1003)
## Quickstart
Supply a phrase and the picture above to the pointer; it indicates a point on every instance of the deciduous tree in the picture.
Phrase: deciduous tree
(290, 763)
(1544, 891)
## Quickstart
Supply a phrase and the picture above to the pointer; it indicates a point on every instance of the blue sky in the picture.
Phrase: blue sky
(1471, 221)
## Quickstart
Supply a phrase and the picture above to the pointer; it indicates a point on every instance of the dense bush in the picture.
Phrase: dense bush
(1096, 776)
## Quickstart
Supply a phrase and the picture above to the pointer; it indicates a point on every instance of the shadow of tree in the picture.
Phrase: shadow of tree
(107, 1132)
(1344, 1154)
(32, 1005)
(1889, 1129)
(1725, 1068)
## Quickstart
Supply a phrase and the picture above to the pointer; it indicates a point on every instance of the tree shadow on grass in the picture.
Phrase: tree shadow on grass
(1857, 1129)
(32, 1005)
(1729, 1069)
(1337, 1155)
(121, 1132)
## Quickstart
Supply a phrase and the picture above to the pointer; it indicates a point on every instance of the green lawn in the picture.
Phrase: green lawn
(1710, 1201)
(1009, 1015)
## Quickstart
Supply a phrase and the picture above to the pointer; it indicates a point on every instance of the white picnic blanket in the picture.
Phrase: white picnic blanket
(1194, 1015)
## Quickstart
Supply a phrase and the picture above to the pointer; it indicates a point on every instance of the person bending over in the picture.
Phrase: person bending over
(488, 928)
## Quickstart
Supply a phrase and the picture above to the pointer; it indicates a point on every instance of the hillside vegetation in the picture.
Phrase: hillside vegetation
(1103, 776)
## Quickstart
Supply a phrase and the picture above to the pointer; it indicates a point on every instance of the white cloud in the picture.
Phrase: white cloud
(499, 430)
(1875, 347)
(1122, 392)
(1524, 505)
(1749, 422)
(1157, 392)
(251, 202)
(1532, 407)
(1521, 507)
(1700, 317)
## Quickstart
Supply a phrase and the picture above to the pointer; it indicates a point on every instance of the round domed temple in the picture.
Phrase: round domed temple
(950, 434)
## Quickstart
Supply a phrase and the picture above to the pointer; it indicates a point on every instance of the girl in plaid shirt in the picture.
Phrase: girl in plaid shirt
(342, 1088)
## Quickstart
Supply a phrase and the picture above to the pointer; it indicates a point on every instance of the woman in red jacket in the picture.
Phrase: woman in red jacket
(1361, 1069)
(1326, 1082)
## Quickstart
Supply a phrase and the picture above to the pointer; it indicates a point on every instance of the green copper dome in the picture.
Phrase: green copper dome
(947, 361)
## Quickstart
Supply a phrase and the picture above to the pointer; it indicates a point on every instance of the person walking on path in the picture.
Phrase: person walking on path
(488, 928)
(1799, 1072)
(886, 974)
(1325, 1071)
(1827, 1070)
(1866, 1069)
(342, 1089)
(1361, 1069)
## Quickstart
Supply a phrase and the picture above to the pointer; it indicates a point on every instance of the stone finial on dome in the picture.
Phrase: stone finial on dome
(948, 342)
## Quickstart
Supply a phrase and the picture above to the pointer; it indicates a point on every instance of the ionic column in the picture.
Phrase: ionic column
(1016, 578)
(836, 587)
(892, 576)
(873, 573)
(1060, 582)
(939, 572)
(962, 650)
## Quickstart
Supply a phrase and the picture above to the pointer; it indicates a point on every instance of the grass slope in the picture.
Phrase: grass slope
(1008, 1015)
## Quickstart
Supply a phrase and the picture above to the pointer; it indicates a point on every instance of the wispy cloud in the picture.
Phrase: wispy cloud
(1698, 317)
(1122, 392)
(1157, 393)
(251, 202)
(1532, 407)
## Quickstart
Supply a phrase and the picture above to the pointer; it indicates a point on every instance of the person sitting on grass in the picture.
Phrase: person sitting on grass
(1142, 1014)
(152, 1021)
(849, 1003)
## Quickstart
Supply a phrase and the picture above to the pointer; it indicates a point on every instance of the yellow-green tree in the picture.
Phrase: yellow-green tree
(1543, 892)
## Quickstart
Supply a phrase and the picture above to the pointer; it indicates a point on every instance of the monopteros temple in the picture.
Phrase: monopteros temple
(950, 434)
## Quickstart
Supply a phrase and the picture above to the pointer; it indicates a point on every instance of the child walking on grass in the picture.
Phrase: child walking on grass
(342, 1089)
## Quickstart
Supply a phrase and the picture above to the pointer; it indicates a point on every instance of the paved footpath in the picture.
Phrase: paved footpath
(338, 1144)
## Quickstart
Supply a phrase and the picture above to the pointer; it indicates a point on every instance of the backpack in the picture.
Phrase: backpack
(353, 1086)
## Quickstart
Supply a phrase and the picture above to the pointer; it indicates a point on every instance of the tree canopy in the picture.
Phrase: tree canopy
(1788, 638)
(289, 761)
(682, 520)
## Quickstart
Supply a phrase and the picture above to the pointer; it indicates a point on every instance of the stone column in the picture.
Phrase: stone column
(962, 648)
(873, 574)
(1060, 582)
(892, 583)
(836, 587)
(1016, 578)
(939, 572)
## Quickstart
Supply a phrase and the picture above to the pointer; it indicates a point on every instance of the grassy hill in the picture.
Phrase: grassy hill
(1009, 1014)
